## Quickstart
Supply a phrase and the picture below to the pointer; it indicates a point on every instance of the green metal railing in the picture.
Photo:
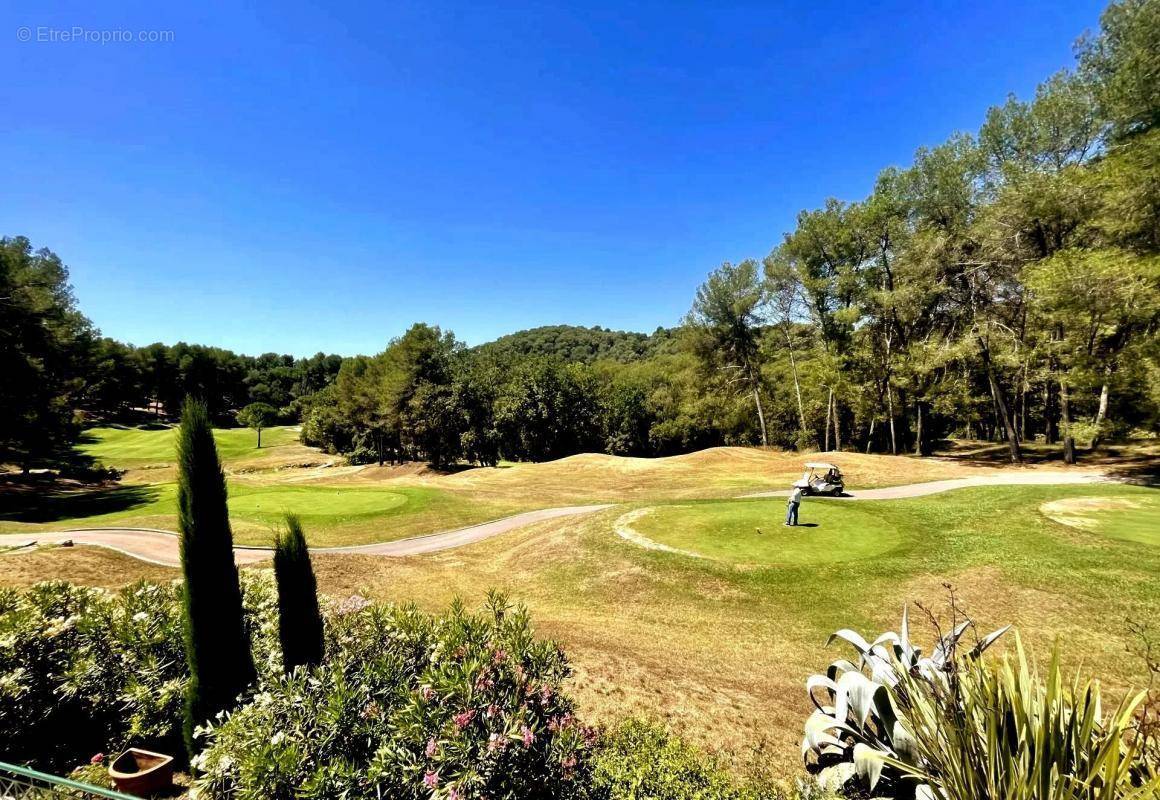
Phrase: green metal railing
(22, 783)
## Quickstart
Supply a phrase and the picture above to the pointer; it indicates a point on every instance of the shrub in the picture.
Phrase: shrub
(638, 760)
(216, 647)
(408, 705)
(299, 618)
(1000, 731)
(85, 670)
(956, 727)
(856, 728)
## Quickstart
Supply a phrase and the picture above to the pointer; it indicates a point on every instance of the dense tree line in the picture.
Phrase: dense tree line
(583, 345)
(59, 373)
(156, 377)
(1004, 286)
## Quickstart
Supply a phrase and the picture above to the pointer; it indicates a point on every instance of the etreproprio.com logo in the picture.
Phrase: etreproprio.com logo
(77, 33)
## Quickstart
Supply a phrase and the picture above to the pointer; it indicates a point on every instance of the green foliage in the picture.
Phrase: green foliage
(42, 357)
(258, 416)
(1001, 731)
(467, 705)
(640, 761)
(84, 671)
(857, 732)
(954, 725)
(217, 648)
(299, 617)
(724, 329)
(1124, 62)
(576, 345)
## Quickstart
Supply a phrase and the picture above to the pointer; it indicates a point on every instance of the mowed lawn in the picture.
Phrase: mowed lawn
(331, 515)
(720, 647)
(137, 448)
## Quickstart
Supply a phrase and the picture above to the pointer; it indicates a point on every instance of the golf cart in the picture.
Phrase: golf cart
(829, 482)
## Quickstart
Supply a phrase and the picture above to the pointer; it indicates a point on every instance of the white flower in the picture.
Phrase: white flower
(140, 616)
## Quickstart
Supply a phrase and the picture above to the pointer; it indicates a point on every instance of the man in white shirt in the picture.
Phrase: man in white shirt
(791, 508)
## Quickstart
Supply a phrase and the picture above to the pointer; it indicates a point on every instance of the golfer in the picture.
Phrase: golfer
(791, 508)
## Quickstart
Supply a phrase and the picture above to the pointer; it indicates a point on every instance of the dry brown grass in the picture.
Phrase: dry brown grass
(717, 472)
(90, 566)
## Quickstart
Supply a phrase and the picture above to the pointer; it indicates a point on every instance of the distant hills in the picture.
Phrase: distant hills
(577, 344)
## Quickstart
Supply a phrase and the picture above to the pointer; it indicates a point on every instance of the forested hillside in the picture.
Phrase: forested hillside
(579, 345)
(1005, 285)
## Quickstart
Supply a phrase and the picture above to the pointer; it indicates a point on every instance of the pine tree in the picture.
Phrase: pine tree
(299, 618)
(217, 647)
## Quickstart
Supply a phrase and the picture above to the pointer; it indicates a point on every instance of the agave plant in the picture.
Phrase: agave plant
(855, 731)
(1002, 731)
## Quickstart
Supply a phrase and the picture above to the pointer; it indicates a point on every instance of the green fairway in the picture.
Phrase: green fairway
(1135, 519)
(752, 531)
(331, 515)
(125, 448)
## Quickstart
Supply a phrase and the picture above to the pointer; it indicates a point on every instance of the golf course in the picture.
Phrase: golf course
(709, 626)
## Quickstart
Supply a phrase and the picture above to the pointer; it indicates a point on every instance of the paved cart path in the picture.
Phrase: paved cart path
(160, 547)
(1036, 478)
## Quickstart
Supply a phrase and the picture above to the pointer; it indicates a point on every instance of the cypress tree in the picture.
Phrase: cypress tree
(299, 618)
(217, 646)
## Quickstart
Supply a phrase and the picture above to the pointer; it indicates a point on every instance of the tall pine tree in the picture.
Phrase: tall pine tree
(299, 618)
(217, 647)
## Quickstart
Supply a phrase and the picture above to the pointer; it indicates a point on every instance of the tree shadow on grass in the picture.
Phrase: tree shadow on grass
(54, 503)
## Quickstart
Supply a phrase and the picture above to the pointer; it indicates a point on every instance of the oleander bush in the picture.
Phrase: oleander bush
(85, 670)
(409, 705)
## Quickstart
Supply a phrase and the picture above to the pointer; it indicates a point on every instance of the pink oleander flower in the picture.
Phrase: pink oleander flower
(569, 762)
(492, 710)
(496, 742)
(353, 604)
(464, 718)
(97, 759)
(546, 694)
(528, 736)
(426, 692)
(454, 794)
(499, 656)
(431, 779)
(432, 747)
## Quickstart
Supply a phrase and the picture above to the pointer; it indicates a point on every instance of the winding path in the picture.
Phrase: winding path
(160, 547)
(623, 525)
(1037, 478)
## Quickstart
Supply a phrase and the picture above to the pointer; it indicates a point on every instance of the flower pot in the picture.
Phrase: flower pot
(142, 773)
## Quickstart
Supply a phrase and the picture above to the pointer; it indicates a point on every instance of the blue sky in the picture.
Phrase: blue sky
(299, 177)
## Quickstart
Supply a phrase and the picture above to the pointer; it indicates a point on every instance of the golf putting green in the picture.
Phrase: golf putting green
(314, 502)
(752, 531)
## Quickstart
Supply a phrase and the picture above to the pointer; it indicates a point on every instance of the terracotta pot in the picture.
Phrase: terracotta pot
(142, 773)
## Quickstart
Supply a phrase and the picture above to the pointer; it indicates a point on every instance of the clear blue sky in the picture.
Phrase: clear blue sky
(300, 177)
